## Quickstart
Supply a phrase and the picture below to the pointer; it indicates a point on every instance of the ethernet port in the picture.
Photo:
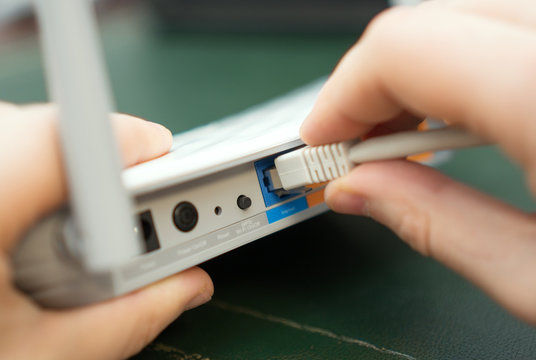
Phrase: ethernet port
(270, 192)
(149, 235)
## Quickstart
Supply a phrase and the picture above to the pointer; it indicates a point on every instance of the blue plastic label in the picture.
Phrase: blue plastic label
(286, 210)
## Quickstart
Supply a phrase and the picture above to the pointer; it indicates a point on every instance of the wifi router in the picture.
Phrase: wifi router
(208, 195)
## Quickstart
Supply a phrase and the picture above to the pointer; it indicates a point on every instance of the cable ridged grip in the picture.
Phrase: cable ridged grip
(311, 165)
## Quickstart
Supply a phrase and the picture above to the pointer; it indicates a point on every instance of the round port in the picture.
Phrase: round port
(243, 202)
(185, 216)
(218, 210)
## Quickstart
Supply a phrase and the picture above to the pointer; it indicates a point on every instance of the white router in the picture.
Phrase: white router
(209, 195)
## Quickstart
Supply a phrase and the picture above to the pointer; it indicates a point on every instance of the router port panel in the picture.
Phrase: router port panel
(216, 199)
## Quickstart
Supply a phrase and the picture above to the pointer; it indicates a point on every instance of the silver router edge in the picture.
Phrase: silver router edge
(48, 268)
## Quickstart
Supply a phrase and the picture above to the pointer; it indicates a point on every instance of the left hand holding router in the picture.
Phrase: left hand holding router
(33, 184)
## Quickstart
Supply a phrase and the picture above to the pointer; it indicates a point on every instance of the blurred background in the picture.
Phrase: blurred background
(170, 58)
(184, 63)
(252, 15)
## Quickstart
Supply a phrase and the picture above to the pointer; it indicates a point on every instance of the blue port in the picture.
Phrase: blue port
(270, 197)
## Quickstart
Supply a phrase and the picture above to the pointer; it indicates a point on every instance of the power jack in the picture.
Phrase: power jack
(185, 216)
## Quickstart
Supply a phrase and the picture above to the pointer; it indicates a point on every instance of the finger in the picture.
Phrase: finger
(139, 140)
(516, 12)
(472, 71)
(35, 183)
(402, 122)
(7, 109)
(136, 142)
(488, 242)
(121, 327)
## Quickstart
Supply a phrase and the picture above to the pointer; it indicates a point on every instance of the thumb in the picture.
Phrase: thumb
(36, 184)
(489, 242)
(121, 327)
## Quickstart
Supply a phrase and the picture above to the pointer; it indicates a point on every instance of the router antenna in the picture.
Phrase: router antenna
(102, 210)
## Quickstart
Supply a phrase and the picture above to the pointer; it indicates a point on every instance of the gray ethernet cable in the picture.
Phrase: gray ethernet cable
(316, 164)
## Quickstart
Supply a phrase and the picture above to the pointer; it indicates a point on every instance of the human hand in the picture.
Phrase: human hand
(33, 184)
(471, 62)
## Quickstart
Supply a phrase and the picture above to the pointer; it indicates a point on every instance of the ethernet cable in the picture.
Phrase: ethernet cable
(316, 164)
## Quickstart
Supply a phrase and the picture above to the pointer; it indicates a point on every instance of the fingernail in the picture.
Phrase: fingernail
(347, 202)
(158, 126)
(304, 130)
(164, 137)
(199, 300)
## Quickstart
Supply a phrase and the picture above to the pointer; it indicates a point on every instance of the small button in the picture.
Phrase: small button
(243, 202)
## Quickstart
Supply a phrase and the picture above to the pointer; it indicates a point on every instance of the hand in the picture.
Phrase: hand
(33, 184)
(471, 62)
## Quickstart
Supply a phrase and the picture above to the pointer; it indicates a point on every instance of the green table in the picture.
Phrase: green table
(336, 287)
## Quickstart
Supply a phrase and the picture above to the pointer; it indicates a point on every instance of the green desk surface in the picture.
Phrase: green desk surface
(335, 287)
